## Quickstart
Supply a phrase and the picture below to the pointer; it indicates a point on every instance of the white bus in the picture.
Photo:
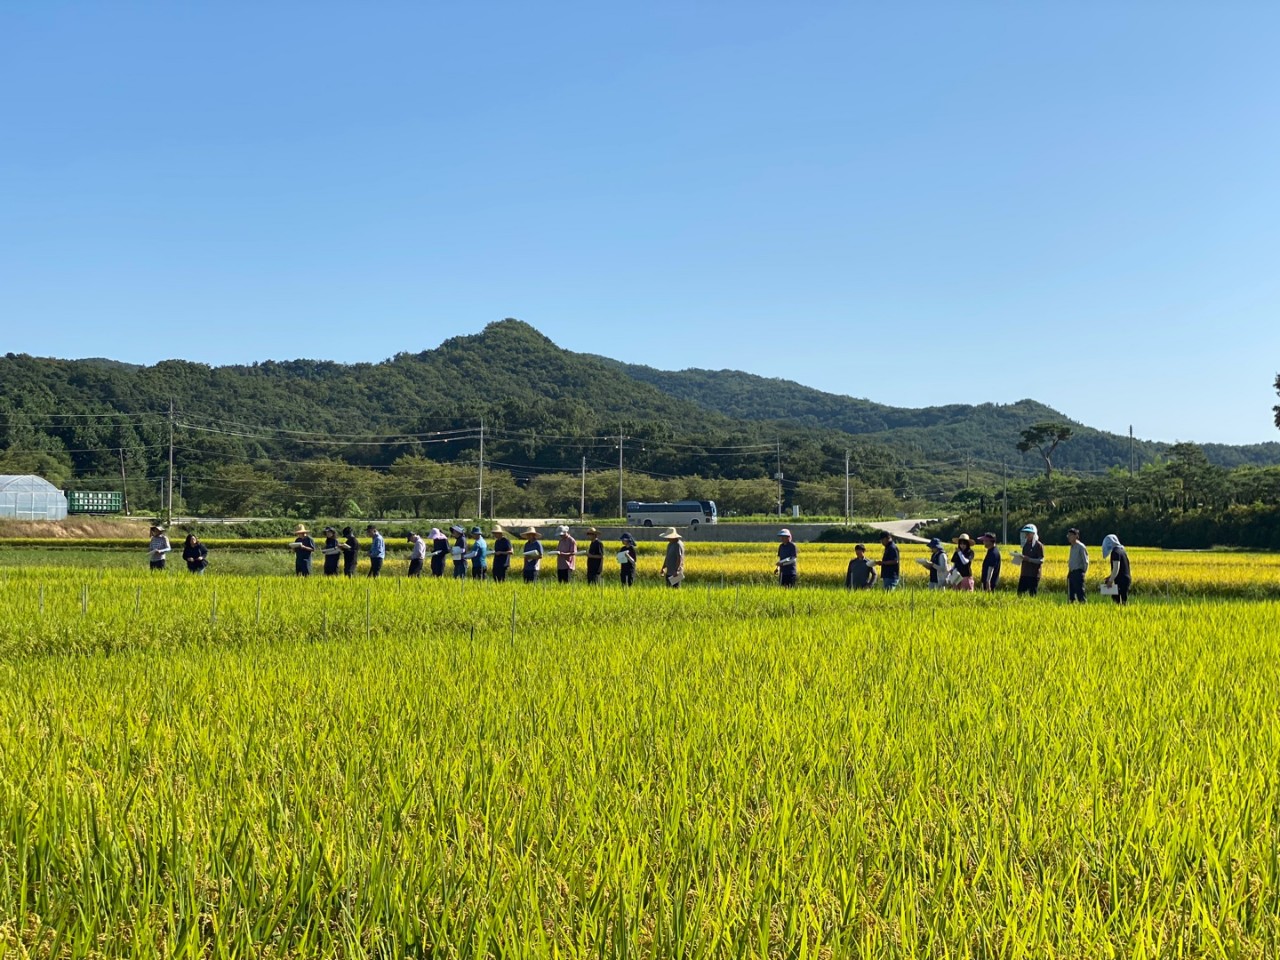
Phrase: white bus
(681, 513)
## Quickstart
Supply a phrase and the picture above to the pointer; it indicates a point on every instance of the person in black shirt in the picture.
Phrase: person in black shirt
(459, 552)
(303, 547)
(195, 554)
(862, 572)
(595, 556)
(1119, 575)
(627, 567)
(990, 563)
(962, 561)
(331, 551)
(1031, 559)
(439, 551)
(502, 553)
(787, 556)
(350, 552)
(890, 563)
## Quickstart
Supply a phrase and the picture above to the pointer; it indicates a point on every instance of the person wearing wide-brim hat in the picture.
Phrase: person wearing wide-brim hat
(459, 551)
(627, 560)
(439, 551)
(595, 556)
(303, 547)
(673, 563)
(532, 554)
(787, 556)
(962, 563)
(158, 547)
(502, 553)
(566, 555)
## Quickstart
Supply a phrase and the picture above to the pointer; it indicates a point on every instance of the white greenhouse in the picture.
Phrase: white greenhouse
(27, 497)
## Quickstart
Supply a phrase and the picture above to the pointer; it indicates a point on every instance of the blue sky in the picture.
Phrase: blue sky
(916, 203)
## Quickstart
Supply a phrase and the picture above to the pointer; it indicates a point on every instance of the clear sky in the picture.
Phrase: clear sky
(917, 203)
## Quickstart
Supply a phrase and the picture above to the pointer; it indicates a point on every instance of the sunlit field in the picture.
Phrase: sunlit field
(236, 765)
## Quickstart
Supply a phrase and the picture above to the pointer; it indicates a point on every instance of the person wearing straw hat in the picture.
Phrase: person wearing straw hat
(595, 556)
(350, 552)
(331, 551)
(377, 550)
(673, 563)
(627, 560)
(439, 550)
(1030, 559)
(566, 555)
(478, 554)
(502, 553)
(459, 551)
(159, 547)
(787, 556)
(532, 554)
(962, 563)
(303, 547)
(417, 553)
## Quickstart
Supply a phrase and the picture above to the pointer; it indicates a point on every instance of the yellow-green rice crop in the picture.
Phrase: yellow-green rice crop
(231, 766)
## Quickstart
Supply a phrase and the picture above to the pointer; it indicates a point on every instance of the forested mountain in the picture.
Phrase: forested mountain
(546, 412)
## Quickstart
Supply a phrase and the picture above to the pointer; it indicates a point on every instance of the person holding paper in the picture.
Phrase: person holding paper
(1031, 559)
(627, 560)
(673, 564)
(787, 556)
(303, 547)
(350, 552)
(159, 548)
(459, 551)
(502, 554)
(936, 565)
(990, 563)
(417, 554)
(439, 550)
(962, 562)
(532, 554)
(566, 555)
(478, 554)
(331, 552)
(1119, 579)
(890, 563)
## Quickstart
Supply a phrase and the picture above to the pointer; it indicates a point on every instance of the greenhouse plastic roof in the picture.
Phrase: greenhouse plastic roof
(24, 483)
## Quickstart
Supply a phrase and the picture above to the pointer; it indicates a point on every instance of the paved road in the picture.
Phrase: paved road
(903, 530)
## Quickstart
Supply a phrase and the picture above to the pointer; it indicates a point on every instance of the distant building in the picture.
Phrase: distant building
(28, 497)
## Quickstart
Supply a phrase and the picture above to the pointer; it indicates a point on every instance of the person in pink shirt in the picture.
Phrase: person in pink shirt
(566, 555)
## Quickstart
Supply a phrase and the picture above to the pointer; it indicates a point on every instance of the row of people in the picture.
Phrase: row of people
(470, 555)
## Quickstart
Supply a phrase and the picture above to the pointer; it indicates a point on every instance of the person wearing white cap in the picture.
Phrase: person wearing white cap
(566, 555)
(1031, 560)
(786, 565)
(459, 551)
(1119, 578)
(673, 564)
(439, 551)
(158, 547)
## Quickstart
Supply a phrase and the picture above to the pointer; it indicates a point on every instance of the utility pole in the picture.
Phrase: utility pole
(1131, 451)
(622, 507)
(124, 484)
(582, 504)
(846, 488)
(967, 460)
(1004, 531)
(169, 515)
(778, 476)
(480, 489)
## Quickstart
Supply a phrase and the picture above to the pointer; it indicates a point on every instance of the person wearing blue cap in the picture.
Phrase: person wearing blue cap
(787, 556)
(1031, 560)
(937, 565)
(627, 560)
(478, 555)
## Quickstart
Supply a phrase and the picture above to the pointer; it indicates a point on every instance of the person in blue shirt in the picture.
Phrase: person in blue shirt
(377, 550)
(532, 554)
(478, 554)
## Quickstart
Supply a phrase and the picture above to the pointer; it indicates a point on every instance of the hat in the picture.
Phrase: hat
(476, 532)
(988, 536)
(456, 528)
(301, 530)
(497, 530)
(860, 546)
(1030, 528)
(671, 533)
(784, 532)
(435, 534)
(628, 538)
(346, 531)
(562, 531)
(532, 532)
(330, 530)
(158, 527)
(964, 538)
(592, 531)
(934, 543)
